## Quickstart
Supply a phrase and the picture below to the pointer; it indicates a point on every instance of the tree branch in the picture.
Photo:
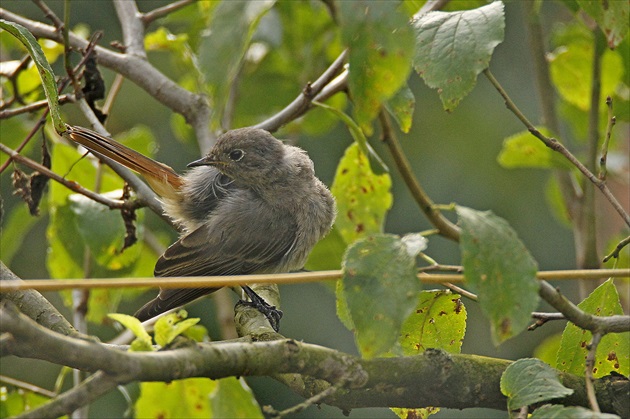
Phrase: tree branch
(72, 185)
(595, 324)
(557, 146)
(149, 17)
(193, 107)
(311, 92)
(457, 381)
(35, 306)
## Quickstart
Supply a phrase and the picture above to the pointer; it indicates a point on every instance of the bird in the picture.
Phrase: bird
(251, 205)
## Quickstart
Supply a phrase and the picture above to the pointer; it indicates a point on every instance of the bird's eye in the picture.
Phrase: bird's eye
(236, 155)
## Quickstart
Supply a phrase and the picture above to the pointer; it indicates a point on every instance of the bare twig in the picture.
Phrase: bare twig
(590, 363)
(543, 318)
(62, 85)
(27, 386)
(316, 399)
(303, 102)
(132, 28)
(50, 14)
(459, 290)
(194, 107)
(148, 17)
(72, 185)
(615, 253)
(35, 106)
(604, 153)
(583, 320)
(557, 146)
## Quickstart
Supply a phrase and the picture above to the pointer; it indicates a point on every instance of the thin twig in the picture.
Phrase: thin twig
(62, 85)
(303, 102)
(603, 171)
(27, 386)
(590, 363)
(148, 17)
(461, 291)
(316, 399)
(557, 146)
(615, 253)
(194, 107)
(542, 318)
(35, 106)
(583, 320)
(114, 89)
(70, 184)
(50, 14)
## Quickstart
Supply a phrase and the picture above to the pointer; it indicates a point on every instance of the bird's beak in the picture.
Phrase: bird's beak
(208, 160)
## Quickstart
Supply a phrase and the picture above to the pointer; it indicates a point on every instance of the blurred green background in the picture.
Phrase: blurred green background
(453, 155)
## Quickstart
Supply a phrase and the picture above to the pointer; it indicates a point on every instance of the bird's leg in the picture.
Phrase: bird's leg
(256, 301)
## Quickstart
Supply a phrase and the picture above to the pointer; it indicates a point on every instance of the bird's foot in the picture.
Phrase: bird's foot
(270, 312)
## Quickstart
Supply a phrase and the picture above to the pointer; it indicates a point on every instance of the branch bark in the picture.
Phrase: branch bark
(456, 381)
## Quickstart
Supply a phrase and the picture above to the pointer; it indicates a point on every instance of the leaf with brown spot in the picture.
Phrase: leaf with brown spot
(613, 351)
(363, 197)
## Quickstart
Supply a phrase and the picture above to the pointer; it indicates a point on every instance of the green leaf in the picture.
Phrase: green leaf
(222, 51)
(381, 50)
(556, 202)
(187, 398)
(327, 253)
(525, 150)
(401, 107)
(571, 67)
(555, 411)
(547, 350)
(232, 398)
(438, 321)
(611, 17)
(172, 325)
(613, 351)
(15, 402)
(528, 381)
(17, 224)
(499, 267)
(381, 288)
(66, 247)
(143, 341)
(45, 71)
(452, 48)
(103, 230)
(363, 198)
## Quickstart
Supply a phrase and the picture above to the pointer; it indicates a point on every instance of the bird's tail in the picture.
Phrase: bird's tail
(162, 179)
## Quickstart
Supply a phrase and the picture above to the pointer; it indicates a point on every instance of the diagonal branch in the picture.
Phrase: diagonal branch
(555, 145)
(312, 91)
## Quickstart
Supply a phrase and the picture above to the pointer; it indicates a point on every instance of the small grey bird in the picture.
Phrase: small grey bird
(252, 205)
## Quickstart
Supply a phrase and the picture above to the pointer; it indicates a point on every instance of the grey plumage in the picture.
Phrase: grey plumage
(252, 205)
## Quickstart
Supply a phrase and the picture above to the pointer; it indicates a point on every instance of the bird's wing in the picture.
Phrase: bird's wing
(257, 241)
